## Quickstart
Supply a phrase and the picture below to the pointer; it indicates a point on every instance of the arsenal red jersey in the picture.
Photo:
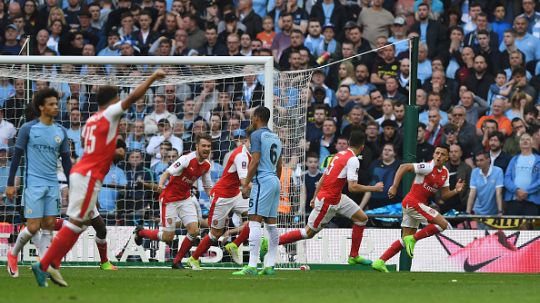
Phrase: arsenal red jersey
(429, 179)
(236, 168)
(99, 140)
(344, 167)
(184, 173)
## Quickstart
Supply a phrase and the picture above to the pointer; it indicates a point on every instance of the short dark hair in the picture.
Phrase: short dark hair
(41, 95)
(483, 153)
(357, 138)
(106, 94)
(497, 134)
(203, 136)
(422, 125)
(166, 143)
(262, 113)
(312, 155)
(443, 146)
(483, 32)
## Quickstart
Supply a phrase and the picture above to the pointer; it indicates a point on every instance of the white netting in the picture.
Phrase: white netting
(214, 98)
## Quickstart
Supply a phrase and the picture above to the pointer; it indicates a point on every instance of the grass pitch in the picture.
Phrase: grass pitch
(164, 285)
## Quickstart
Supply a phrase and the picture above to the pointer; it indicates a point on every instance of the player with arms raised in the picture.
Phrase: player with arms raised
(265, 167)
(43, 141)
(176, 201)
(329, 201)
(99, 135)
(430, 178)
(226, 198)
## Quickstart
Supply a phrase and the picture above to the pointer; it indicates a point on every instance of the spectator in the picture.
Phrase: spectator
(520, 83)
(317, 80)
(112, 47)
(10, 45)
(160, 112)
(196, 38)
(498, 156)
(522, 180)
(268, 34)
(434, 129)
(311, 177)
(499, 25)
(376, 104)
(282, 40)
(314, 129)
(392, 90)
(486, 189)
(475, 106)
(355, 120)
(431, 32)
(517, 106)
(390, 134)
(383, 170)
(330, 11)
(372, 137)
(328, 44)
(479, 81)
(165, 133)
(7, 130)
(472, 38)
(399, 113)
(297, 43)
(136, 140)
(97, 18)
(109, 195)
(424, 150)
(385, 67)
(249, 18)
(434, 103)
(145, 35)
(497, 114)
(466, 131)
(135, 196)
(325, 145)
(139, 110)
(399, 35)
(511, 144)
(388, 111)
(532, 17)
(314, 37)
(342, 143)
(181, 48)
(524, 41)
(160, 166)
(14, 106)
(250, 91)
(361, 89)
(458, 170)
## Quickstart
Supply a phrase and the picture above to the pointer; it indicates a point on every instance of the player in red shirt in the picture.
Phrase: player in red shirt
(226, 198)
(99, 137)
(430, 178)
(176, 201)
(329, 201)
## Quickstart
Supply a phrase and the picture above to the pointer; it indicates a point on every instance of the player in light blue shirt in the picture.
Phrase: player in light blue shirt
(42, 141)
(265, 171)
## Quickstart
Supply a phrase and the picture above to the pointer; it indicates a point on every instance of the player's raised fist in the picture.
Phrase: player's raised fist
(460, 185)
(159, 74)
(392, 192)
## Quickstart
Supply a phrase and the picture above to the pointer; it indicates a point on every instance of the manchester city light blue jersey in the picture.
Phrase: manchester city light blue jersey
(42, 144)
(268, 144)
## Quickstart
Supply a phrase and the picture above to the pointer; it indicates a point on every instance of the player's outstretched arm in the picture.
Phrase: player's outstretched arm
(142, 88)
(402, 170)
(162, 180)
(446, 193)
(354, 187)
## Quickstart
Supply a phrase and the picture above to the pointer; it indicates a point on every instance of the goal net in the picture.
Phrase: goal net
(200, 94)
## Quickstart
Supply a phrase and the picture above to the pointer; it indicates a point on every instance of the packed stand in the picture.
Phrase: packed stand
(478, 83)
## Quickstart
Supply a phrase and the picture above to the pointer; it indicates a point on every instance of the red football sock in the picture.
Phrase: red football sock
(184, 248)
(59, 223)
(60, 246)
(427, 231)
(102, 248)
(392, 250)
(202, 247)
(151, 234)
(290, 237)
(243, 236)
(357, 235)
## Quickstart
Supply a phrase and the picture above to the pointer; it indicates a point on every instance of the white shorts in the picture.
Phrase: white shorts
(415, 214)
(222, 207)
(173, 212)
(324, 212)
(83, 193)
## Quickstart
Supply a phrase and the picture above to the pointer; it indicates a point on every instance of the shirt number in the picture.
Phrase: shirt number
(273, 154)
(90, 139)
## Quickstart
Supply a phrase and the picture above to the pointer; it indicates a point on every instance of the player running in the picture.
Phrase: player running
(265, 167)
(226, 198)
(329, 201)
(99, 136)
(430, 178)
(176, 201)
(43, 141)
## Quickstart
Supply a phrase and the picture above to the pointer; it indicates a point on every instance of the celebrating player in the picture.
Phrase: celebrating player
(226, 198)
(329, 200)
(265, 167)
(43, 141)
(176, 201)
(430, 177)
(99, 136)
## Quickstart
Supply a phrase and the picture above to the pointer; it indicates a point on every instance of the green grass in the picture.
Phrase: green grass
(165, 285)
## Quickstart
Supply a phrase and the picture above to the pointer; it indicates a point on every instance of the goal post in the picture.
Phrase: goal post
(77, 77)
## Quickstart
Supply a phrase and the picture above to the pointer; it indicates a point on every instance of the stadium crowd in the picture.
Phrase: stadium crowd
(478, 88)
